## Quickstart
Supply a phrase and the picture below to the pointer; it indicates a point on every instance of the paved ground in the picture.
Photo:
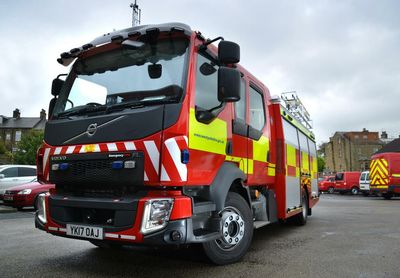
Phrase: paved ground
(346, 237)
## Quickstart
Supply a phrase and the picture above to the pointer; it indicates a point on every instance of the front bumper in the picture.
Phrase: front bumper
(18, 200)
(179, 229)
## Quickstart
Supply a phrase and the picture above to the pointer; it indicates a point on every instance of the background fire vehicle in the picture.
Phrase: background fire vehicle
(157, 137)
(347, 182)
(327, 184)
(385, 170)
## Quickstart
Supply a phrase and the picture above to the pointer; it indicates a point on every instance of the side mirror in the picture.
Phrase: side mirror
(2, 176)
(56, 86)
(228, 52)
(228, 84)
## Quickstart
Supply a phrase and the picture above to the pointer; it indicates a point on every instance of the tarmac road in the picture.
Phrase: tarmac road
(347, 236)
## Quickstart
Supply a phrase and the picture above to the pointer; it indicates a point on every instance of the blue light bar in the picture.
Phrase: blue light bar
(117, 165)
(64, 166)
(185, 156)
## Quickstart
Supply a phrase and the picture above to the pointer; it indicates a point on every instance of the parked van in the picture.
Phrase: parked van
(347, 182)
(364, 183)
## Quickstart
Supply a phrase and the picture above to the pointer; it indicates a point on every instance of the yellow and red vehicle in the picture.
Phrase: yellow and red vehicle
(158, 137)
(385, 170)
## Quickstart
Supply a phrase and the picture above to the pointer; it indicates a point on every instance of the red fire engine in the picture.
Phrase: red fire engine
(157, 137)
(385, 170)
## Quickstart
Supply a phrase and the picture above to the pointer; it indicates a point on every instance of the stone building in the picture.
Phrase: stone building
(12, 128)
(351, 151)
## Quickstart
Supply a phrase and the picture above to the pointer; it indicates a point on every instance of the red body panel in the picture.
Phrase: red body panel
(350, 179)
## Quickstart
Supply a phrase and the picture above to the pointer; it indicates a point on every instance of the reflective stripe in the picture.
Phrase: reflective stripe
(112, 147)
(207, 137)
(110, 235)
(128, 237)
(153, 154)
(58, 150)
(260, 149)
(129, 146)
(175, 152)
(379, 172)
(70, 149)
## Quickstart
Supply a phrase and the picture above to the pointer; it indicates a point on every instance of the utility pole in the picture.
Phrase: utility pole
(136, 14)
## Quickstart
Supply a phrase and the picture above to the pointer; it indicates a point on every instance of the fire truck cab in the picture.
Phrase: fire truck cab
(158, 137)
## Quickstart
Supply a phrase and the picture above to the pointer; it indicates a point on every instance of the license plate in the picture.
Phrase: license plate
(8, 198)
(85, 231)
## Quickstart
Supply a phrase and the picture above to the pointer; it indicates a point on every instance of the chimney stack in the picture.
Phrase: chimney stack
(384, 135)
(16, 113)
(43, 114)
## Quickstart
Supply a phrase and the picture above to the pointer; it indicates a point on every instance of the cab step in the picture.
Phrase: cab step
(259, 224)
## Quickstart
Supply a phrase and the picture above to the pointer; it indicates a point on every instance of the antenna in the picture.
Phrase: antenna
(136, 14)
(294, 105)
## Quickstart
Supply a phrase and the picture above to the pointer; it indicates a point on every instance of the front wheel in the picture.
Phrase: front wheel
(354, 190)
(236, 232)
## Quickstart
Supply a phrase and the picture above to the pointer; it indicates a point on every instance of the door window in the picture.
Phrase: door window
(10, 172)
(240, 106)
(26, 172)
(206, 84)
(257, 113)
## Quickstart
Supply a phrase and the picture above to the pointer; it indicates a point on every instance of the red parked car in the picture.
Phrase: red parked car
(347, 182)
(25, 195)
(327, 184)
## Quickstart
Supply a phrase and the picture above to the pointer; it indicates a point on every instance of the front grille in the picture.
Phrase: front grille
(104, 212)
(11, 192)
(93, 172)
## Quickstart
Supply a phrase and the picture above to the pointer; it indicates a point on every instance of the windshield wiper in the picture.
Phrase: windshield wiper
(141, 103)
(81, 110)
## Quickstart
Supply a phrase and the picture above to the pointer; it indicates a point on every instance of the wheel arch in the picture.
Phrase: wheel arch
(228, 178)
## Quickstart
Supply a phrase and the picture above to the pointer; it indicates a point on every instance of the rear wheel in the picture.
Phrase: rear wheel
(236, 232)
(331, 190)
(301, 218)
(354, 190)
(387, 196)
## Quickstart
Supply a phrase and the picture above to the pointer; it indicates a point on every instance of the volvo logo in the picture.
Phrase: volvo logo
(91, 130)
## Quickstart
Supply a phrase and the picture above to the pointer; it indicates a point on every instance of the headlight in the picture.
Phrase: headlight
(156, 214)
(25, 191)
(41, 212)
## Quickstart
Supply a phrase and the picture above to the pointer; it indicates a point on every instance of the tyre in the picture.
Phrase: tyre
(301, 218)
(354, 190)
(387, 196)
(331, 190)
(236, 232)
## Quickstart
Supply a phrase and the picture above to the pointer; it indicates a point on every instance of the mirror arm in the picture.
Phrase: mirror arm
(72, 104)
(204, 45)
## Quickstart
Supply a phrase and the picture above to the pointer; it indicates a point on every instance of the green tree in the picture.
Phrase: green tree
(27, 147)
(321, 164)
(2, 147)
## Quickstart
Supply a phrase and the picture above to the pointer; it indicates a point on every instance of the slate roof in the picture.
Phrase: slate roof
(23, 122)
(392, 147)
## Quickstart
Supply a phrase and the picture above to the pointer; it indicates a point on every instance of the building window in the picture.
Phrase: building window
(356, 136)
(365, 136)
(8, 136)
(18, 136)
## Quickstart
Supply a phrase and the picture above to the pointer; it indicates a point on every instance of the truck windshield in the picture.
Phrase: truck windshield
(125, 79)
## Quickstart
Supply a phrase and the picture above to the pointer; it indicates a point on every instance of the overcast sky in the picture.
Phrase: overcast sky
(342, 57)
